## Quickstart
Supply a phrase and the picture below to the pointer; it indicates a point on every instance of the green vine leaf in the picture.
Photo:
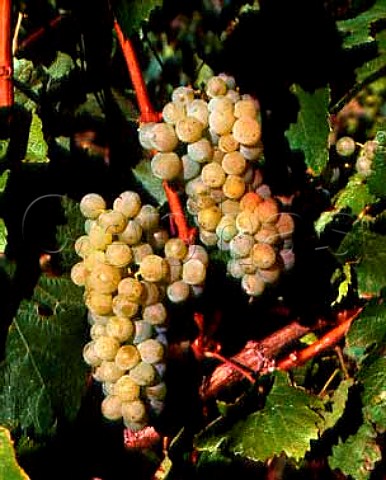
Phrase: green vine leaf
(357, 456)
(9, 467)
(43, 377)
(358, 31)
(310, 133)
(377, 179)
(336, 404)
(37, 147)
(288, 423)
(131, 15)
(366, 250)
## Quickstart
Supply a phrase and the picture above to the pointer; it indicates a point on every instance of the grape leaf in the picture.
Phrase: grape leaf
(377, 179)
(367, 251)
(372, 67)
(61, 67)
(358, 31)
(310, 132)
(3, 236)
(37, 148)
(131, 15)
(335, 405)
(373, 379)
(153, 185)
(368, 332)
(9, 467)
(4, 143)
(287, 423)
(358, 454)
(43, 377)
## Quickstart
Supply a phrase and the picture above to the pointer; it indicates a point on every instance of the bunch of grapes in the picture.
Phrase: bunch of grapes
(130, 269)
(210, 143)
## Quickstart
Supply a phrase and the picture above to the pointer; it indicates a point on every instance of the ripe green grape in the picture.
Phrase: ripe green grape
(127, 357)
(263, 255)
(221, 121)
(215, 86)
(190, 168)
(97, 330)
(126, 389)
(148, 217)
(99, 303)
(178, 291)
(241, 245)
(131, 288)
(143, 374)
(253, 285)
(155, 314)
(166, 165)
(175, 248)
(92, 205)
(141, 251)
(189, 129)
(99, 237)
(123, 307)
(234, 187)
(132, 233)
(83, 246)
(208, 218)
(128, 203)
(201, 150)
(245, 107)
(345, 146)
(163, 137)
(213, 175)
(107, 371)
(247, 221)
(198, 252)
(143, 331)
(193, 272)
(112, 221)
(182, 95)
(226, 228)
(106, 347)
(111, 407)
(90, 356)
(118, 254)
(268, 211)
(173, 111)
(79, 274)
(134, 412)
(227, 143)
(103, 278)
(247, 131)
(198, 109)
(153, 268)
(121, 328)
(151, 351)
(233, 163)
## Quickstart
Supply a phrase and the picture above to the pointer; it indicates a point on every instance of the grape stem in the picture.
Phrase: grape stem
(178, 216)
(147, 112)
(40, 32)
(6, 82)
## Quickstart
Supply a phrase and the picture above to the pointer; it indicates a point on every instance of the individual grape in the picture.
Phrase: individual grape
(111, 407)
(246, 107)
(127, 357)
(220, 104)
(166, 165)
(247, 265)
(153, 268)
(112, 221)
(156, 392)
(216, 86)
(227, 143)
(209, 239)
(345, 146)
(106, 347)
(249, 201)
(208, 218)
(268, 234)
(221, 121)
(230, 207)
(174, 269)
(163, 137)
(173, 111)
(285, 225)
(126, 389)
(143, 374)
(252, 153)
(364, 165)
(150, 294)
(122, 307)
(182, 95)
(178, 291)
(213, 175)
(200, 151)
(271, 275)
(198, 109)
(79, 274)
(226, 228)
(132, 234)
(103, 278)
(121, 328)
(83, 246)
(196, 187)
(234, 187)
(97, 330)
(189, 129)
(134, 412)
(176, 248)
(131, 288)
(107, 371)
(99, 303)
(198, 252)
(155, 314)
(148, 217)
(151, 351)
(241, 245)
(118, 254)
(158, 238)
(190, 168)
(145, 135)
(253, 285)
(97, 257)
(233, 163)
(247, 131)
(129, 203)
(143, 331)
(141, 251)
(263, 255)
(99, 237)
(268, 211)
(90, 356)
(200, 201)
(247, 221)
(92, 205)
(193, 272)
(234, 268)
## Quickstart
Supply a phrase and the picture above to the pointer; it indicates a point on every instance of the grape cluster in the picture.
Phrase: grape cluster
(210, 143)
(130, 269)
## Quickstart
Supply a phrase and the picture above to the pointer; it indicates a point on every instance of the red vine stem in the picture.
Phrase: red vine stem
(232, 364)
(186, 233)
(40, 32)
(147, 112)
(6, 83)
(328, 340)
